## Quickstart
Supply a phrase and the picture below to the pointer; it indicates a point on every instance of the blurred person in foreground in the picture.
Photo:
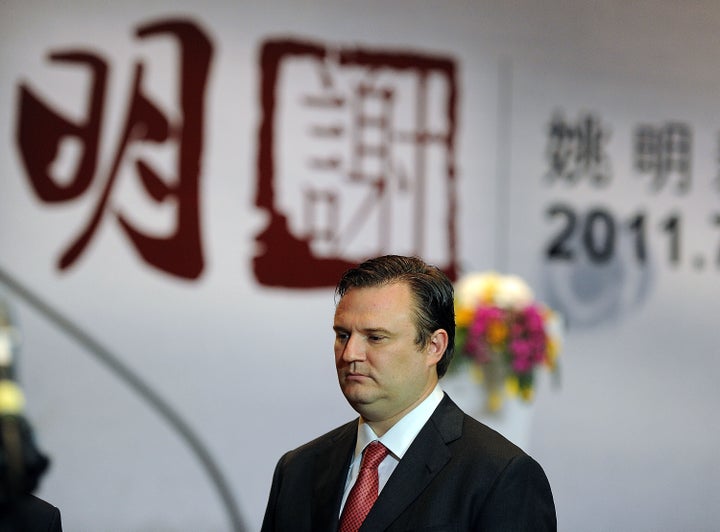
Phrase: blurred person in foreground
(29, 514)
(21, 466)
(438, 468)
(21, 462)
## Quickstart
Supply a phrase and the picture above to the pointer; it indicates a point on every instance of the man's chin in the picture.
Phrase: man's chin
(358, 395)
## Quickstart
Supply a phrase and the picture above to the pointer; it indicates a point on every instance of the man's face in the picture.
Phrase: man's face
(382, 372)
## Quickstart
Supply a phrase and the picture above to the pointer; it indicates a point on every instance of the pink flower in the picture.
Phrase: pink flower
(533, 320)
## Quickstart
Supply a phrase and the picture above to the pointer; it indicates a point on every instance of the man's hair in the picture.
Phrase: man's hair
(432, 294)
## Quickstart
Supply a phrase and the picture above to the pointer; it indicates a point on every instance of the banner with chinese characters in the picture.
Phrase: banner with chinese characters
(181, 187)
(614, 187)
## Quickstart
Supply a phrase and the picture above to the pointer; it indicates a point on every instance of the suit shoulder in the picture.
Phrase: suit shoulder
(321, 443)
(464, 432)
(487, 438)
(481, 446)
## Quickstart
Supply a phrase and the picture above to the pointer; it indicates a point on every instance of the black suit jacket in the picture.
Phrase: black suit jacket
(458, 475)
(29, 514)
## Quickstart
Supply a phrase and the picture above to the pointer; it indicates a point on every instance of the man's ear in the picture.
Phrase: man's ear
(436, 346)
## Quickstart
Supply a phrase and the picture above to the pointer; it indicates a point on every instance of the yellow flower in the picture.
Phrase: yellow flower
(497, 332)
(512, 386)
(526, 394)
(464, 316)
(512, 292)
(494, 401)
(552, 351)
(476, 288)
(491, 288)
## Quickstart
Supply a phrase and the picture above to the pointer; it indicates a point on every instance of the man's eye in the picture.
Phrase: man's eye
(341, 337)
(376, 338)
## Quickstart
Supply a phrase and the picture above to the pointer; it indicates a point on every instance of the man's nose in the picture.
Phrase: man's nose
(354, 349)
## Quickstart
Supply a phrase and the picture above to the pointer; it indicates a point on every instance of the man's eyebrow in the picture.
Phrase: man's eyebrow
(376, 330)
(366, 330)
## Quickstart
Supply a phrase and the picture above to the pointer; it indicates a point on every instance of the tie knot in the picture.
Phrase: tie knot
(373, 455)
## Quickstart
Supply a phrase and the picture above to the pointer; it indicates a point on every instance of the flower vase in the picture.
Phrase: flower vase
(472, 390)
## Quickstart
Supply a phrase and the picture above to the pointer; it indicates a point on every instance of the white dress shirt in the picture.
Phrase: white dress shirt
(397, 440)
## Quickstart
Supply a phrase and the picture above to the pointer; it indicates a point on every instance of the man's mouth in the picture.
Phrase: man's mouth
(354, 376)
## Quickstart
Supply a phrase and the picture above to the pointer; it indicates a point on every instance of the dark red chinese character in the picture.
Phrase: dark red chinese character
(43, 130)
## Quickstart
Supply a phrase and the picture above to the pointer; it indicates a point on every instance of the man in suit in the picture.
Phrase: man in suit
(394, 338)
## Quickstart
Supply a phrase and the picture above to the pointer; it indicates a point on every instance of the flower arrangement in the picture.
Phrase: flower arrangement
(503, 334)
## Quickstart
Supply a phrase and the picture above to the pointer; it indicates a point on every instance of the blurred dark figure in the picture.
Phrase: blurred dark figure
(29, 514)
(21, 462)
(21, 465)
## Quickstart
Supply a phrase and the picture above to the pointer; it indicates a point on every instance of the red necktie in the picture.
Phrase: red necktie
(365, 491)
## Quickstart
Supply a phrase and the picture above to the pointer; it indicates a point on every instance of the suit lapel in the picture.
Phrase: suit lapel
(331, 466)
(423, 460)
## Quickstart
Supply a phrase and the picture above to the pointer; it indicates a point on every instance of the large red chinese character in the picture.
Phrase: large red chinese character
(356, 158)
(42, 130)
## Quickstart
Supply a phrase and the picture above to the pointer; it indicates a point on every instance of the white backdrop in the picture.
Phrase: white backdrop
(630, 437)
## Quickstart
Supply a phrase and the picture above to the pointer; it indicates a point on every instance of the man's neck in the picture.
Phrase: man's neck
(380, 427)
